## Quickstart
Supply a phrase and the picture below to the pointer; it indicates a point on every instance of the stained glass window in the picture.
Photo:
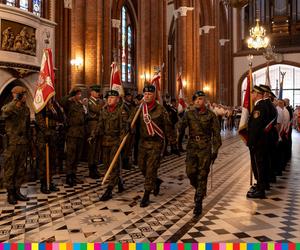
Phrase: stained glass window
(37, 7)
(127, 48)
(11, 2)
(24, 4)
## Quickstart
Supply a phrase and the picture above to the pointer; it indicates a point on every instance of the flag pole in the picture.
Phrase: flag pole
(47, 159)
(112, 164)
(250, 58)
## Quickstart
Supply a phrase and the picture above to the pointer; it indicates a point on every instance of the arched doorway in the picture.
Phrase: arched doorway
(291, 83)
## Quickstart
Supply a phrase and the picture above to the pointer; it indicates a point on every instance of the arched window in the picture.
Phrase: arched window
(127, 49)
(34, 6)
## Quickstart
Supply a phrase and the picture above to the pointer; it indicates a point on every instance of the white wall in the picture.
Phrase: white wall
(241, 65)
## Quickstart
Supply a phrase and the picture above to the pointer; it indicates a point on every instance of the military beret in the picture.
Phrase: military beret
(257, 89)
(198, 93)
(265, 88)
(112, 93)
(18, 90)
(149, 88)
(74, 91)
(273, 94)
(139, 97)
(96, 88)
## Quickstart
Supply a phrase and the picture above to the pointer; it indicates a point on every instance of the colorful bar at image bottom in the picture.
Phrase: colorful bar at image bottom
(149, 246)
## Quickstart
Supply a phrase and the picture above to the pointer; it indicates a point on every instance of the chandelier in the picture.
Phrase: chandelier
(258, 38)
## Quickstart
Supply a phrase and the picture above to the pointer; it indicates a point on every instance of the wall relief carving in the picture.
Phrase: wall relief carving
(17, 37)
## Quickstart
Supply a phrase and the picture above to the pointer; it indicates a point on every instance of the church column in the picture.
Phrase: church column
(185, 44)
(152, 44)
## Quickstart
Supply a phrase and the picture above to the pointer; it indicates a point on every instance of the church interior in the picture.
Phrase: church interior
(192, 45)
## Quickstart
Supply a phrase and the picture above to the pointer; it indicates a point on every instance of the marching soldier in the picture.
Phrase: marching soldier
(153, 125)
(46, 133)
(257, 143)
(76, 118)
(112, 126)
(203, 145)
(94, 108)
(17, 127)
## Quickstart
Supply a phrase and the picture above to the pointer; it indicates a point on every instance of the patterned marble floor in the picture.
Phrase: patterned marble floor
(77, 215)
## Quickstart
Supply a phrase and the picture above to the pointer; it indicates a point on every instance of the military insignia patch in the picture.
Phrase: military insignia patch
(256, 114)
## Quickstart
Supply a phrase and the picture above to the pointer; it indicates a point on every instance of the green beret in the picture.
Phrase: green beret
(74, 91)
(149, 88)
(96, 88)
(198, 93)
(112, 93)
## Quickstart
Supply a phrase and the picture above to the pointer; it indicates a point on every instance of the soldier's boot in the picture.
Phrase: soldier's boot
(19, 196)
(198, 205)
(44, 188)
(156, 189)
(146, 199)
(93, 172)
(120, 185)
(11, 199)
(53, 187)
(70, 180)
(107, 194)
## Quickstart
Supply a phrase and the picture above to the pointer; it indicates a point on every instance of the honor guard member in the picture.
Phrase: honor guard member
(76, 120)
(153, 125)
(112, 126)
(203, 145)
(271, 133)
(46, 134)
(257, 143)
(17, 127)
(94, 108)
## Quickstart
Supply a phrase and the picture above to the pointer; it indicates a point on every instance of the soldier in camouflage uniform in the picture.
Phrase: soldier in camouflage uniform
(112, 126)
(17, 127)
(203, 145)
(47, 134)
(129, 106)
(153, 125)
(94, 108)
(76, 119)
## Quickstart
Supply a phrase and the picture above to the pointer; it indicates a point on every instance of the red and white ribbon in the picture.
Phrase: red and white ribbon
(152, 128)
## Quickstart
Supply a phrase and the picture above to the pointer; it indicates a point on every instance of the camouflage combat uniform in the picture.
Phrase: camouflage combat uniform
(150, 147)
(204, 140)
(17, 128)
(47, 134)
(76, 120)
(94, 108)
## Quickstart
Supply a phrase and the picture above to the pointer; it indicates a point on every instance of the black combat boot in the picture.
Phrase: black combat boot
(44, 188)
(53, 187)
(93, 172)
(19, 196)
(70, 180)
(198, 205)
(120, 185)
(146, 199)
(107, 195)
(11, 199)
(156, 189)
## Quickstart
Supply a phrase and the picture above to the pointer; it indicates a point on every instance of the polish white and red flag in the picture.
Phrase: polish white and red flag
(115, 79)
(45, 86)
(156, 82)
(181, 103)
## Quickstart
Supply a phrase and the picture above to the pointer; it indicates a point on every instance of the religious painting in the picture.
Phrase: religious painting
(17, 37)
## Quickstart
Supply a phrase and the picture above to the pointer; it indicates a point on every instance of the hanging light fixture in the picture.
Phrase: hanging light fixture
(258, 38)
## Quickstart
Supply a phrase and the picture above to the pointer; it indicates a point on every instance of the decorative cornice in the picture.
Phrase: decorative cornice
(205, 29)
(116, 23)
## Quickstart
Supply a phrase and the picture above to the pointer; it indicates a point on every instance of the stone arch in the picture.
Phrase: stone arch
(256, 68)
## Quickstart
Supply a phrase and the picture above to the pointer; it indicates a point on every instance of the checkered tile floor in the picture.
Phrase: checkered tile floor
(76, 214)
